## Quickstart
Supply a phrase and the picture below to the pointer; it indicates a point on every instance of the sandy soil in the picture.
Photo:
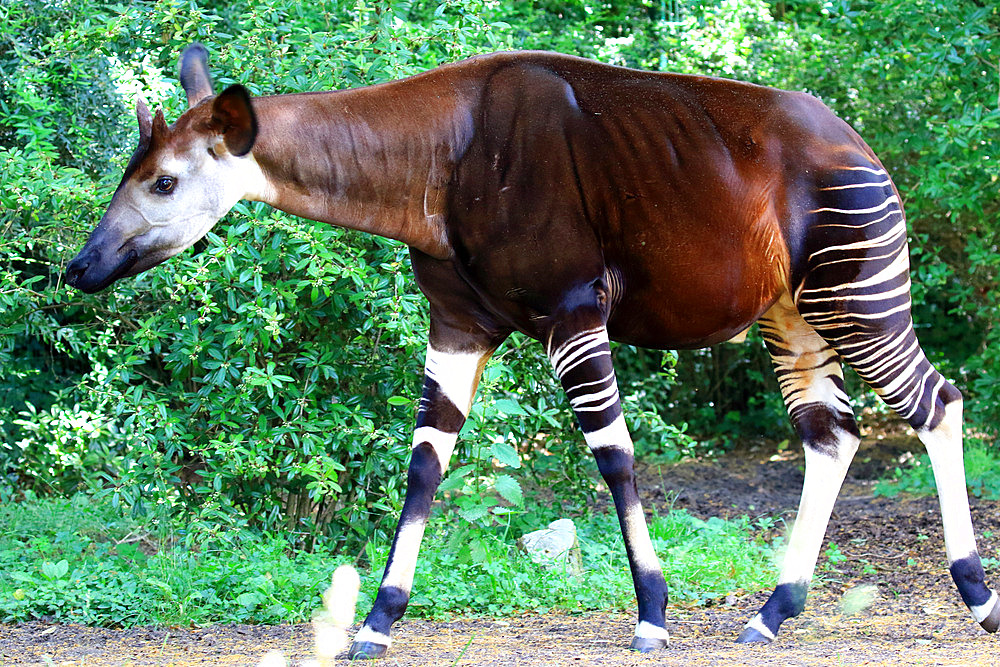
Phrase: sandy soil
(893, 546)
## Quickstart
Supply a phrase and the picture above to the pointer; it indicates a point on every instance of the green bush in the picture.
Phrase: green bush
(982, 472)
(266, 378)
(263, 379)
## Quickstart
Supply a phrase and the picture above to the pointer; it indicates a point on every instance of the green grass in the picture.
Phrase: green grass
(75, 560)
(982, 474)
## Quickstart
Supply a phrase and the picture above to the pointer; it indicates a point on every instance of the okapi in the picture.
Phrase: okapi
(579, 203)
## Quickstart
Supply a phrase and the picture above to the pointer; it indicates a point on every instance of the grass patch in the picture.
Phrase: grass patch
(76, 561)
(982, 475)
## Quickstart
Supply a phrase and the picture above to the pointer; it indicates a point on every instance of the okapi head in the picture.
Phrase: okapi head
(180, 181)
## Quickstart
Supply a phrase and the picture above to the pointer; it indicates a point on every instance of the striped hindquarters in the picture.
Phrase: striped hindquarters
(856, 290)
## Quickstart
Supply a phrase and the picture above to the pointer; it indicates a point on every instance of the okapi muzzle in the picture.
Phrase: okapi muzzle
(102, 261)
(179, 182)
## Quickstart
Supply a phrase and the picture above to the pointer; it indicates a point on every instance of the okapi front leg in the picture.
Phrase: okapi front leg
(583, 363)
(450, 381)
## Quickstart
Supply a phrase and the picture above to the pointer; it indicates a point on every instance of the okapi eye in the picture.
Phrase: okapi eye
(165, 185)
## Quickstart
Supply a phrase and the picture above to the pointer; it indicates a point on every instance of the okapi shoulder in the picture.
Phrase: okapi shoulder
(522, 90)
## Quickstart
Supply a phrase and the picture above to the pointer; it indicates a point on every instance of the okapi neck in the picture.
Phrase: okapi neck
(375, 159)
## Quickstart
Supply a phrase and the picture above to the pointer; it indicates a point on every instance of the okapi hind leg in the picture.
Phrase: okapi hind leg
(944, 447)
(855, 293)
(812, 387)
(581, 357)
(450, 381)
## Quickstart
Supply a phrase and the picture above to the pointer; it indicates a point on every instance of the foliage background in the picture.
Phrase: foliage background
(266, 379)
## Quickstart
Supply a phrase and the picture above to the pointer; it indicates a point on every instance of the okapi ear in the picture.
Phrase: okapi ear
(234, 119)
(195, 79)
(145, 138)
(145, 123)
(159, 127)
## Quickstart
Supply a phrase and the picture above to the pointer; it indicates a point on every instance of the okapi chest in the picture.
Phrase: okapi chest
(578, 203)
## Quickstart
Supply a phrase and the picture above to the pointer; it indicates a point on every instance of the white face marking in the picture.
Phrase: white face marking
(206, 186)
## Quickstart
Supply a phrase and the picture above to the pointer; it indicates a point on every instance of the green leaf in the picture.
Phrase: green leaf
(509, 489)
(250, 599)
(478, 551)
(510, 407)
(505, 454)
(53, 571)
(456, 479)
(473, 512)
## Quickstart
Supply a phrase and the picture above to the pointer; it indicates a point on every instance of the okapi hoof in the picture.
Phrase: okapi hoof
(753, 636)
(647, 644)
(992, 622)
(367, 651)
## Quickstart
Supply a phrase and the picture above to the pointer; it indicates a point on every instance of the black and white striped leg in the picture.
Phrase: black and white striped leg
(901, 374)
(812, 386)
(856, 294)
(449, 384)
(583, 363)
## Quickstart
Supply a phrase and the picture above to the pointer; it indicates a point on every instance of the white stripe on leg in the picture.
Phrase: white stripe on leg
(757, 623)
(614, 434)
(944, 447)
(443, 443)
(404, 556)
(981, 611)
(647, 630)
(366, 634)
(820, 488)
(636, 531)
(456, 373)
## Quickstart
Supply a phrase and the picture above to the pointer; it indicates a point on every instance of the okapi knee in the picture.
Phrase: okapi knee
(617, 468)
(821, 427)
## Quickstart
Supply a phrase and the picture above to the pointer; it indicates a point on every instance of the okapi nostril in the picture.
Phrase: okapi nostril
(75, 271)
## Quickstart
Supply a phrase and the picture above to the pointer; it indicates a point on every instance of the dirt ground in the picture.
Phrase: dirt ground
(892, 546)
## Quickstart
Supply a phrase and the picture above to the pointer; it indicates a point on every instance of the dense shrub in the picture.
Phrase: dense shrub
(266, 377)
